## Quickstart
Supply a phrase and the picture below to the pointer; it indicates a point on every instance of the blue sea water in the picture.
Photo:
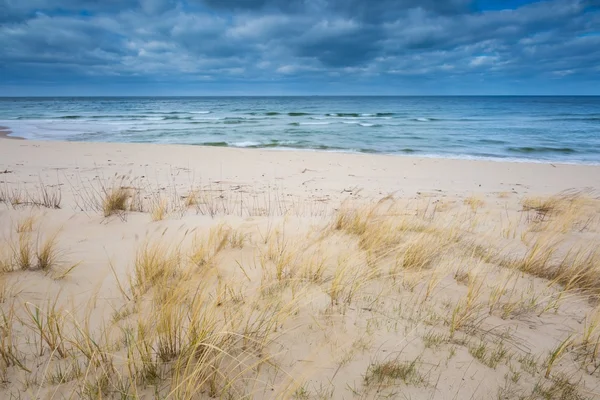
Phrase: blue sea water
(552, 129)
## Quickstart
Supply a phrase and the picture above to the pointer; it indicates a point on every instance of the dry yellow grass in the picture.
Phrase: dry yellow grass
(26, 224)
(114, 201)
(474, 202)
(385, 298)
(158, 209)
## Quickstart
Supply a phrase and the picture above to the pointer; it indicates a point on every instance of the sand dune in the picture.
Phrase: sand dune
(153, 271)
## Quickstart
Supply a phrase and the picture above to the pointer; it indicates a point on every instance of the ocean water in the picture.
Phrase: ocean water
(547, 129)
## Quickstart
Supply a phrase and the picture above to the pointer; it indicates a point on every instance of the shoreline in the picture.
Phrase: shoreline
(303, 173)
(5, 132)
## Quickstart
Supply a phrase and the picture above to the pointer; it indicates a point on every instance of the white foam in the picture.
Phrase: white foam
(200, 112)
(245, 144)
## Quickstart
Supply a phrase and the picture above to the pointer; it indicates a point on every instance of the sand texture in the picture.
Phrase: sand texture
(161, 271)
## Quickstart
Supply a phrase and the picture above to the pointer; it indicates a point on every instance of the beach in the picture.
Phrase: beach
(307, 174)
(4, 132)
(201, 272)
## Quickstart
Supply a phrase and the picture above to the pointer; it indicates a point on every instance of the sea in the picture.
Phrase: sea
(537, 129)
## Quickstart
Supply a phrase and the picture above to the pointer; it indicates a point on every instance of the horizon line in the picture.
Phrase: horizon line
(303, 95)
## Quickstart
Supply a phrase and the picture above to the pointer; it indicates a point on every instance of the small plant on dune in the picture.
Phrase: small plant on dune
(49, 196)
(556, 354)
(497, 355)
(387, 372)
(562, 212)
(26, 224)
(13, 196)
(9, 353)
(237, 239)
(467, 309)
(192, 198)
(579, 269)
(170, 319)
(474, 203)
(301, 393)
(136, 203)
(420, 253)
(433, 339)
(529, 363)
(114, 201)
(479, 352)
(5, 260)
(542, 206)
(205, 249)
(158, 209)
(536, 260)
(352, 221)
(313, 268)
(153, 263)
(559, 387)
(100, 195)
(280, 254)
(47, 254)
(48, 325)
(23, 253)
(348, 279)
(588, 344)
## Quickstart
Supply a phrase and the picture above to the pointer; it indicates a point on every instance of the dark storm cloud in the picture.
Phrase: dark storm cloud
(383, 42)
(373, 8)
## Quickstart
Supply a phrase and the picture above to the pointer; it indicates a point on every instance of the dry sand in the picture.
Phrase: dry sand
(448, 288)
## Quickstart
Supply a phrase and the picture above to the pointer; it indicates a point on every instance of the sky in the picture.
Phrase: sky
(299, 47)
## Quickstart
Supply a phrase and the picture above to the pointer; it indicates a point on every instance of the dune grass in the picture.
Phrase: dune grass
(387, 299)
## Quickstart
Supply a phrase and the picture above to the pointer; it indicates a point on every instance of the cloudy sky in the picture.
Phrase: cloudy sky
(288, 47)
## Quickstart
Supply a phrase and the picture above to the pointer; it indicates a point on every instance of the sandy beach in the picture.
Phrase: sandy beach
(201, 272)
(4, 132)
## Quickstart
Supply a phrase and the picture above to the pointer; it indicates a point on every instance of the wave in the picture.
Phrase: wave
(366, 125)
(299, 145)
(298, 114)
(491, 141)
(289, 144)
(535, 150)
(357, 115)
(207, 118)
(200, 112)
(176, 117)
(236, 121)
(354, 115)
(268, 113)
(166, 112)
(315, 123)
(215, 144)
(424, 119)
(309, 123)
